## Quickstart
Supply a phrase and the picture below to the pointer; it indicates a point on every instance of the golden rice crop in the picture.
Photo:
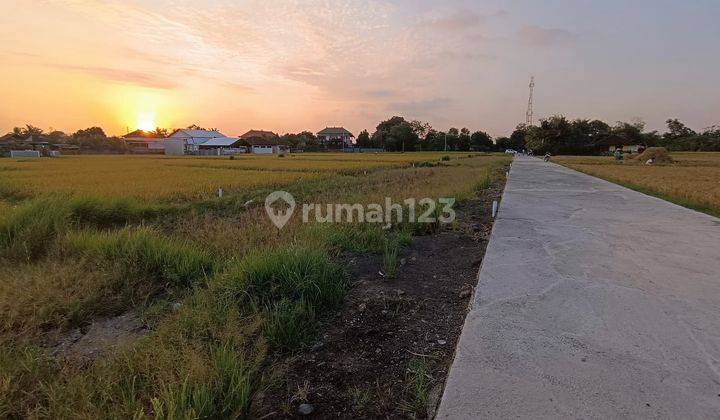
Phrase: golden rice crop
(693, 181)
(183, 178)
(148, 178)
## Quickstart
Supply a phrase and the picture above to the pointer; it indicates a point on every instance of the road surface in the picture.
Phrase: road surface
(593, 301)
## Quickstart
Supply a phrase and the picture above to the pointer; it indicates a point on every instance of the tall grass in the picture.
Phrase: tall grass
(144, 251)
(29, 230)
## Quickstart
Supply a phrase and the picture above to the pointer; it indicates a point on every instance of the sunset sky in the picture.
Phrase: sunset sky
(290, 65)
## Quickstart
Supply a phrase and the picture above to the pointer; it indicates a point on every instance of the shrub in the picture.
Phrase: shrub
(446, 158)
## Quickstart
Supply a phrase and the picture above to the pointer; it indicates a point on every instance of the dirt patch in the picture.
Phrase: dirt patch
(387, 352)
(99, 337)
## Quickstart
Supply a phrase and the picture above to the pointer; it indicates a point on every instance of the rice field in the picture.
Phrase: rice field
(692, 181)
(162, 179)
(218, 287)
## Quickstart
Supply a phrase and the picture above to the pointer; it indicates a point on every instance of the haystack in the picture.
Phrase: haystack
(657, 154)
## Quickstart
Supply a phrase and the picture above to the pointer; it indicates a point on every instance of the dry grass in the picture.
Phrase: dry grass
(692, 181)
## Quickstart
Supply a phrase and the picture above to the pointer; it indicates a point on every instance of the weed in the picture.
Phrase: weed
(361, 398)
(390, 254)
(417, 386)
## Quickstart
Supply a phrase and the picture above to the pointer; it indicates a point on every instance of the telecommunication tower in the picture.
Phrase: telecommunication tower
(529, 112)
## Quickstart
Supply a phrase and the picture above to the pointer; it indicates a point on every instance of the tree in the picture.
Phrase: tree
(481, 141)
(451, 140)
(363, 139)
(463, 143)
(434, 140)
(517, 138)
(550, 135)
(401, 138)
(677, 129)
(503, 143)
(90, 132)
(381, 137)
(28, 130)
(421, 128)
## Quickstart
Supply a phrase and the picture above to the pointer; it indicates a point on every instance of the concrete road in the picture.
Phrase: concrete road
(594, 301)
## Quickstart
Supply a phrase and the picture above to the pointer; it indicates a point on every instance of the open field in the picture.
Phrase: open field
(160, 178)
(692, 181)
(128, 289)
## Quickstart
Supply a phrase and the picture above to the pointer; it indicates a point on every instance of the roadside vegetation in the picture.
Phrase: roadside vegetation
(690, 181)
(217, 286)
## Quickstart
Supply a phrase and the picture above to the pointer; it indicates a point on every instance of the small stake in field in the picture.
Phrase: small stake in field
(494, 208)
(220, 192)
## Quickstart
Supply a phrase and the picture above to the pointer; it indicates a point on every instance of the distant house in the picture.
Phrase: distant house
(223, 146)
(140, 141)
(10, 143)
(337, 137)
(187, 141)
(264, 142)
(613, 141)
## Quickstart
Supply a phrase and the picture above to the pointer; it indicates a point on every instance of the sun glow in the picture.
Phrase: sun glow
(145, 121)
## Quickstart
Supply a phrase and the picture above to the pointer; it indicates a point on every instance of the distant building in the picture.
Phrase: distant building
(614, 141)
(223, 146)
(13, 142)
(337, 137)
(187, 141)
(140, 141)
(264, 142)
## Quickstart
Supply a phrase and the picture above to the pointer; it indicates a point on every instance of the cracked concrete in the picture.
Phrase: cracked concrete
(593, 301)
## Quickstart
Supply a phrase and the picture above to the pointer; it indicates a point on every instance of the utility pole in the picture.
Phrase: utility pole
(445, 141)
(529, 112)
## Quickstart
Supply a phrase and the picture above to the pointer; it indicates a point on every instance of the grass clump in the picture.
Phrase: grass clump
(390, 254)
(225, 391)
(293, 273)
(146, 252)
(30, 229)
(289, 286)
(417, 387)
(289, 325)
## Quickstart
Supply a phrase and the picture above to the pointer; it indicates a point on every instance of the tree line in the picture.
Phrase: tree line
(556, 135)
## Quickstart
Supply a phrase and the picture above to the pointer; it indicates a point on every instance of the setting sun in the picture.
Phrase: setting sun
(145, 121)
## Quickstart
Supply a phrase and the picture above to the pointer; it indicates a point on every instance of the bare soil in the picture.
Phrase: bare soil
(97, 338)
(359, 366)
